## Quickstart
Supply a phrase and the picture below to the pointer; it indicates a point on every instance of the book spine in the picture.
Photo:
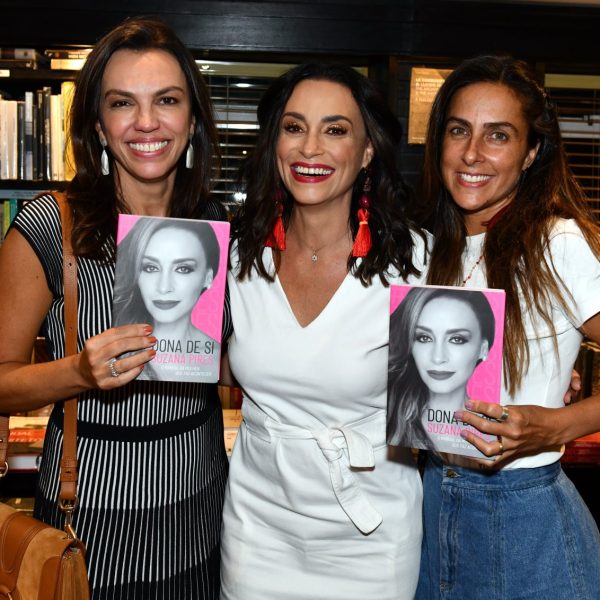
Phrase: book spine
(21, 139)
(3, 140)
(56, 138)
(67, 52)
(13, 139)
(46, 120)
(39, 134)
(66, 64)
(8, 139)
(9, 210)
(67, 89)
(19, 53)
(3, 226)
(14, 207)
(28, 136)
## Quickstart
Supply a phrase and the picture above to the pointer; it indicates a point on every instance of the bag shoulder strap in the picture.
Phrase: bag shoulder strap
(68, 464)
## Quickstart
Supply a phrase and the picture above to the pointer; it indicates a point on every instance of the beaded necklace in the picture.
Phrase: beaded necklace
(488, 224)
(470, 274)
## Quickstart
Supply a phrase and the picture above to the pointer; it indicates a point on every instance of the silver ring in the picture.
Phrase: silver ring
(111, 366)
(505, 414)
(501, 451)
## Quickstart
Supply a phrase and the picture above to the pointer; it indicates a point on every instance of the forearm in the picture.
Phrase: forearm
(29, 386)
(578, 419)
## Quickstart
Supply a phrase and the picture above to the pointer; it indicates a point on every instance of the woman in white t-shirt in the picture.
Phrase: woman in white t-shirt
(507, 213)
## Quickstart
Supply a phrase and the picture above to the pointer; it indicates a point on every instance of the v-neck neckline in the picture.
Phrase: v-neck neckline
(284, 295)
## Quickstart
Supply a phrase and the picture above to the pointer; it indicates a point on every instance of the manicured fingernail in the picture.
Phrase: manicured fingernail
(458, 415)
(147, 330)
(469, 403)
(152, 341)
(464, 434)
(152, 353)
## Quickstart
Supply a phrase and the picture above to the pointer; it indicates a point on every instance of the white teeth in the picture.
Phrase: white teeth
(148, 147)
(312, 170)
(473, 178)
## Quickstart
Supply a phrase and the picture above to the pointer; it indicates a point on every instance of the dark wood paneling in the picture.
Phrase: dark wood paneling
(379, 28)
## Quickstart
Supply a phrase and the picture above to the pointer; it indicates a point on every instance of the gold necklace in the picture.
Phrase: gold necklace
(315, 251)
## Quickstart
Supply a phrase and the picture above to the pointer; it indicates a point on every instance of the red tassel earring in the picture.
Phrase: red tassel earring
(277, 237)
(362, 241)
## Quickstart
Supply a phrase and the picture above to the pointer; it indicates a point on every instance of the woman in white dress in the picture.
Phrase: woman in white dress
(315, 508)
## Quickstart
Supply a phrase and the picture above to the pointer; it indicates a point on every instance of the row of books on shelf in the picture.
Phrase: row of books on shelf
(51, 58)
(33, 140)
(8, 210)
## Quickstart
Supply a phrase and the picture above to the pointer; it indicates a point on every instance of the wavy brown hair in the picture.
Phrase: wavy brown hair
(390, 228)
(515, 249)
(94, 198)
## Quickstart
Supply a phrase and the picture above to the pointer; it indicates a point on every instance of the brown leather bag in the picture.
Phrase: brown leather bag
(39, 562)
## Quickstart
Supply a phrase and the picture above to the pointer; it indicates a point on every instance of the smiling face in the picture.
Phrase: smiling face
(322, 143)
(447, 345)
(173, 274)
(145, 114)
(485, 150)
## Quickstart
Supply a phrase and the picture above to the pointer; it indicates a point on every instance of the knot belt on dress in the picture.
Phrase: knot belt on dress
(356, 440)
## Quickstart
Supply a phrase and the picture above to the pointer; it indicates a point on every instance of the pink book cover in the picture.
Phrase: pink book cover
(171, 273)
(445, 347)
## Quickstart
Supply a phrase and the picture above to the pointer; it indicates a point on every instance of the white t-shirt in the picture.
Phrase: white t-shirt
(548, 375)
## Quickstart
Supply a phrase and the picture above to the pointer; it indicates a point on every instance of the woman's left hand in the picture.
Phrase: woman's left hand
(519, 429)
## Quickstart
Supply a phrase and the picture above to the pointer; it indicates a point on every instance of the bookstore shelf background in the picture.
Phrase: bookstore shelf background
(241, 45)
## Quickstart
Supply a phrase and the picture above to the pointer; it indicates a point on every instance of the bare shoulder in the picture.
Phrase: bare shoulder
(24, 297)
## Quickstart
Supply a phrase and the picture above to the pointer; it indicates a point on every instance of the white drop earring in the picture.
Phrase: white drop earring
(189, 156)
(104, 164)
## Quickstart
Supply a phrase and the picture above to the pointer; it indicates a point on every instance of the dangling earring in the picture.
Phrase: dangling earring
(104, 164)
(362, 241)
(277, 237)
(189, 156)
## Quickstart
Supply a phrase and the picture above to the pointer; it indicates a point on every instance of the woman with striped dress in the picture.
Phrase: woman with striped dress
(152, 465)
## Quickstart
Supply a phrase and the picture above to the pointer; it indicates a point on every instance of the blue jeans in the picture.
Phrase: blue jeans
(506, 535)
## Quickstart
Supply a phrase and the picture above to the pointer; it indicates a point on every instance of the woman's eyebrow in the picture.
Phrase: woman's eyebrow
(325, 119)
(455, 330)
(501, 124)
(177, 260)
(128, 94)
(333, 118)
(294, 115)
(489, 125)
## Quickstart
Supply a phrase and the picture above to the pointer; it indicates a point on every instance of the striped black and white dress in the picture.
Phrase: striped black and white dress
(152, 464)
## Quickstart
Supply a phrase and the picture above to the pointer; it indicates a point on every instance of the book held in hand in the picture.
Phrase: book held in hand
(445, 348)
(170, 273)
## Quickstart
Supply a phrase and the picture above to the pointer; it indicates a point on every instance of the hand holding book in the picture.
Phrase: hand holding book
(170, 273)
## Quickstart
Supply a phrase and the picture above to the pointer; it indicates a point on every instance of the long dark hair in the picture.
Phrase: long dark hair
(390, 229)
(94, 198)
(128, 302)
(407, 394)
(515, 246)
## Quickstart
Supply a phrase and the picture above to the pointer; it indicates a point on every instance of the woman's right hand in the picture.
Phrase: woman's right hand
(116, 356)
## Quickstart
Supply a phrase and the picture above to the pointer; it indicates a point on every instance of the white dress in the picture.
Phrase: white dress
(314, 507)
